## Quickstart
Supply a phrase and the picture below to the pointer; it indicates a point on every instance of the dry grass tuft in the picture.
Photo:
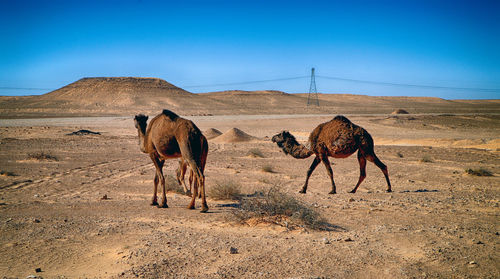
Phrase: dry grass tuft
(267, 168)
(225, 190)
(173, 186)
(255, 153)
(42, 156)
(277, 207)
(426, 159)
(7, 173)
(479, 172)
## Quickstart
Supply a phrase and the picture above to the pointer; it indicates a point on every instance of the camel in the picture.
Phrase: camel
(338, 138)
(170, 136)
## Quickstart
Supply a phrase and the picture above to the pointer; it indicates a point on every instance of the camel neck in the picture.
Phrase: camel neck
(142, 139)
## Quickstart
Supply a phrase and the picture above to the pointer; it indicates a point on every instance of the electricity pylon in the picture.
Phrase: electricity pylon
(312, 97)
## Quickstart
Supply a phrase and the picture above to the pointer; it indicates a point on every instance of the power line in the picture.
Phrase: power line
(244, 82)
(410, 85)
(302, 77)
(25, 88)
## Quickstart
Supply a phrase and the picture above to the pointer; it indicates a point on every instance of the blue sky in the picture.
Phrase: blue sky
(48, 44)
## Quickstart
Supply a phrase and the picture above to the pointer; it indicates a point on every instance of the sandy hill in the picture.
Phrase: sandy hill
(212, 133)
(232, 136)
(118, 90)
(126, 96)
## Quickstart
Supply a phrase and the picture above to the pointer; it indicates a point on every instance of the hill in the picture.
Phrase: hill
(114, 96)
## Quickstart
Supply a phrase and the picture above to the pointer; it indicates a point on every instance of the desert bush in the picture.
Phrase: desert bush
(426, 159)
(267, 168)
(7, 173)
(173, 186)
(277, 207)
(225, 190)
(254, 152)
(478, 172)
(42, 156)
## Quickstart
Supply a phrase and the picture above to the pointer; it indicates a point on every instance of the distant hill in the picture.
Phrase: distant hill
(101, 96)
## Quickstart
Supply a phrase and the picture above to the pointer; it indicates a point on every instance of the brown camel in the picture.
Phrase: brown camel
(170, 136)
(338, 138)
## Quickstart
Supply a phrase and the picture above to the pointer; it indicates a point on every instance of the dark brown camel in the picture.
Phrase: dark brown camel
(338, 138)
(169, 136)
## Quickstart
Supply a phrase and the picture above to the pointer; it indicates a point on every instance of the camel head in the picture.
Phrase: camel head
(282, 137)
(140, 122)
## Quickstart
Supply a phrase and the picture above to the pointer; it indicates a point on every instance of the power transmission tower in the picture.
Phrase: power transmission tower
(312, 97)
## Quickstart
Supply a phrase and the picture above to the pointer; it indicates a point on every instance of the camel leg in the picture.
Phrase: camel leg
(183, 169)
(326, 162)
(362, 171)
(373, 158)
(155, 198)
(193, 196)
(204, 205)
(159, 177)
(309, 172)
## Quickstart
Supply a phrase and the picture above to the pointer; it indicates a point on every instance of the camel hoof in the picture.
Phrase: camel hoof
(153, 203)
(352, 192)
(188, 193)
(190, 207)
(204, 209)
(389, 191)
(164, 205)
(332, 192)
(302, 191)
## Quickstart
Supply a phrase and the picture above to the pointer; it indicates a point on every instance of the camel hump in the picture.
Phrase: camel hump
(170, 114)
(342, 118)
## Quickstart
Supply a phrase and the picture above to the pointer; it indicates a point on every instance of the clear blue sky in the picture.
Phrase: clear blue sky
(48, 44)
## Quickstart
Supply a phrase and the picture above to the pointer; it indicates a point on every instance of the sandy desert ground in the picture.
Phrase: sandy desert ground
(439, 222)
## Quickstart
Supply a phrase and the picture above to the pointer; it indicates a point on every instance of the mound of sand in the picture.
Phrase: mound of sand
(212, 133)
(233, 135)
(400, 111)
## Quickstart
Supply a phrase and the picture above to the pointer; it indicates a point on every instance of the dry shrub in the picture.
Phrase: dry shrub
(7, 173)
(225, 190)
(256, 153)
(267, 168)
(42, 156)
(277, 207)
(173, 186)
(426, 159)
(479, 172)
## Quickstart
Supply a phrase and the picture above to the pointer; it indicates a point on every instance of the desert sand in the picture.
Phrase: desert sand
(77, 206)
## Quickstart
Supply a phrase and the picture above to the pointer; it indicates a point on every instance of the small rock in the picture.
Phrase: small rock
(348, 239)
(36, 220)
(351, 200)
(472, 263)
(105, 197)
(38, 269)
(479, 242)
(36, 195)
(326, 240)
(233, 250)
